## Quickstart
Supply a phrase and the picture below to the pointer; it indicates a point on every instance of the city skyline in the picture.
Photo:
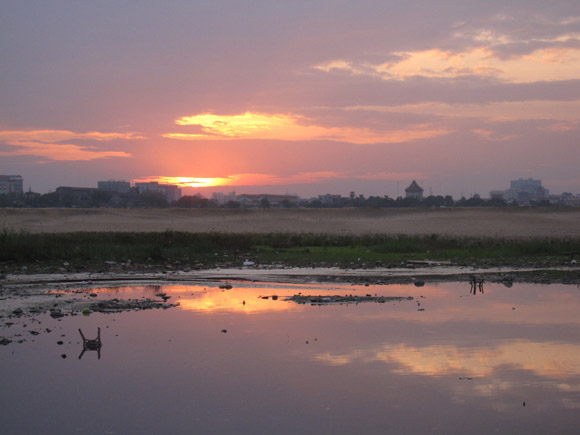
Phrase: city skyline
(299, 97)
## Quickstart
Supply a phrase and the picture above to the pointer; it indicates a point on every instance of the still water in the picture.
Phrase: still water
(231, 361)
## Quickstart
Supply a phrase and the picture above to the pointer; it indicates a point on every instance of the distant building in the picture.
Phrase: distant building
(525, 190)
(223, 198)
(11, 184)
(248, 200)
(330, 199)
(76, 196)
(117, 186)
(414, 191)
(497, 194)
(170, 191)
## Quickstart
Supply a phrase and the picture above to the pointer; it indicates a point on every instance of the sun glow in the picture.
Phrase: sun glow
(187, 181)
(273, 180)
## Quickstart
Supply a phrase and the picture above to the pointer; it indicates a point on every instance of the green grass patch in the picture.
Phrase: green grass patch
(295, 249)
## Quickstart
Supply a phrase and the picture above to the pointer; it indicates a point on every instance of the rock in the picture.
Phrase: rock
(60, 342)
(56, 314)
(17, 312)
(419, 283)
(224, 331)
(226, 287)
(5, 341)
(63, 356)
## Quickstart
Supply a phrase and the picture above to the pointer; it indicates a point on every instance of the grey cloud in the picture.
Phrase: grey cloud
(518, 49)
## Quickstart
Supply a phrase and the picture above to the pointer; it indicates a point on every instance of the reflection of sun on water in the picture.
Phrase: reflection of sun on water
(242, 300)
(258, 299)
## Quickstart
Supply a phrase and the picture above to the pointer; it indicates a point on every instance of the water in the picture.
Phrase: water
(466, 364)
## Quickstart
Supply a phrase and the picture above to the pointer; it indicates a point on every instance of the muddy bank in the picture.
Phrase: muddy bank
(48, 292)
(24, 299)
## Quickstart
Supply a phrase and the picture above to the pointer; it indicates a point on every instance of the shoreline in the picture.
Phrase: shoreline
(28, 295)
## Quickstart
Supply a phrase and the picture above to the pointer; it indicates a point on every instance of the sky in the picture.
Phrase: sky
(305, 97)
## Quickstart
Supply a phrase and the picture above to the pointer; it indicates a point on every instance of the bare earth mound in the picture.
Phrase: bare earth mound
(516, 222)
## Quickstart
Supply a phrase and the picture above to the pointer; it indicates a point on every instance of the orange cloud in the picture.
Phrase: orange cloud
(492, 136)
(60, 152)
(61, 135)
(500, 111)
(561, 127)
(546, 64)
(251, 125)
(43, 143)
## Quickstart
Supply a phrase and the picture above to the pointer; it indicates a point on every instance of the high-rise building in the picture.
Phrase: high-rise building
(523, 190)
(11, 184)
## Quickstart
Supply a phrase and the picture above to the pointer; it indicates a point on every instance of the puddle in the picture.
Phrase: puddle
(255, 358)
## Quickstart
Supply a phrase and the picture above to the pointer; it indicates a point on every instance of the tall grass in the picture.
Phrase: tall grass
(87, 247)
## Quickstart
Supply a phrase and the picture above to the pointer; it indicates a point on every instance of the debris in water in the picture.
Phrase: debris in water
(337, 299)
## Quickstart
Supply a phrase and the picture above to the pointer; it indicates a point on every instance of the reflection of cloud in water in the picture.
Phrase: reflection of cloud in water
(557, 364)
(544, 359)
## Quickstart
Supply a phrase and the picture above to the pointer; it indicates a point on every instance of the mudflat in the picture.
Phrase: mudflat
(478, 222)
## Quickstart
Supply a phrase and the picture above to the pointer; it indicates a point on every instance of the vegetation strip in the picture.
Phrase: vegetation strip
(43, 252)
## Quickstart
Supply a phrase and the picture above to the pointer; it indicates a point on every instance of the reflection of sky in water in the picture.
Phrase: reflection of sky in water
(465, 364)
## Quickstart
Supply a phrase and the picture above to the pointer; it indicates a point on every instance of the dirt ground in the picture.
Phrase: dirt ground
(512, 222)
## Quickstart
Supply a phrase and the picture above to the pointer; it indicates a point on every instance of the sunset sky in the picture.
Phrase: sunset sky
(306, 97)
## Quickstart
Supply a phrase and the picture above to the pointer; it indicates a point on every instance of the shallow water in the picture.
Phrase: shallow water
(447, 361)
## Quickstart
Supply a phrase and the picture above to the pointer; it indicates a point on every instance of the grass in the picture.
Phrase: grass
(90, 249)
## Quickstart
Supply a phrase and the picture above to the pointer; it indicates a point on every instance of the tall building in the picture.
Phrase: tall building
(524, 190)
(11, 184)
(414, 191)
(115, 186)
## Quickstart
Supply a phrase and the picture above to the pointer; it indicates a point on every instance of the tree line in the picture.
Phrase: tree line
(157, 200)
